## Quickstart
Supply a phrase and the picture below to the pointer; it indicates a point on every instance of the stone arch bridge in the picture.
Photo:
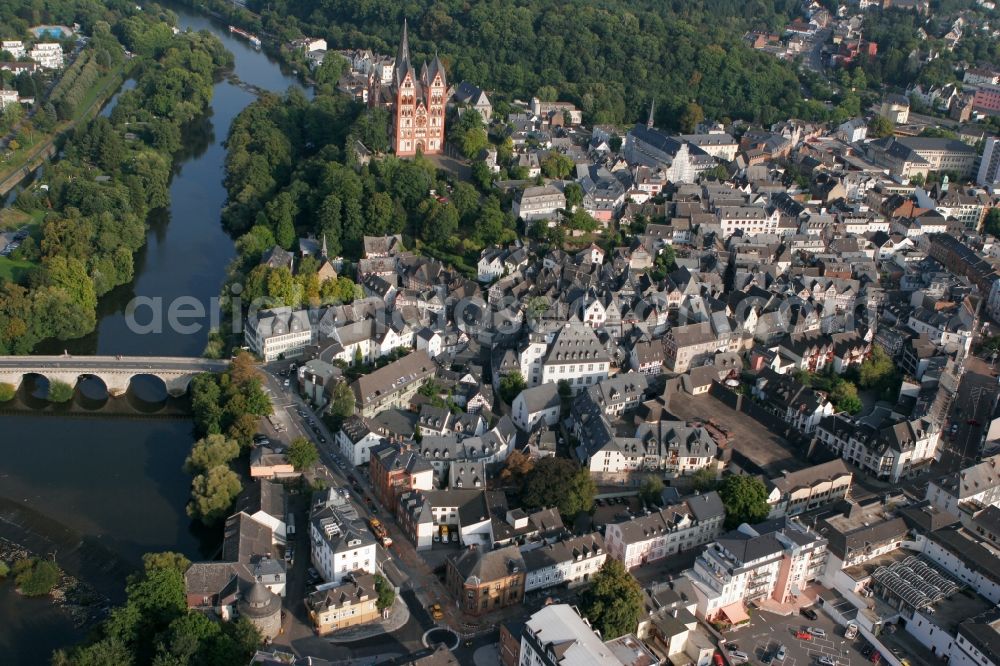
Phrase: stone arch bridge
(116, 372)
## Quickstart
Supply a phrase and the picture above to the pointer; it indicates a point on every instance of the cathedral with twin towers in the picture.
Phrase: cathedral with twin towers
(415, 103)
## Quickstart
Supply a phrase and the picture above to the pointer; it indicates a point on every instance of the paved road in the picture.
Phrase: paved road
(298, 633)
(814, 59)
(97, 363)
(971, 411)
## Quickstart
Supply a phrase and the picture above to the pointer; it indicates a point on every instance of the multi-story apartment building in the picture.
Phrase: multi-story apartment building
(688, 524)
(392, 385)
(538, 203)
(482, 581)
(776, 559)
(571, 562)
(689, 345)
(14, 46)
(751, 220)
(539, 404)
(967, 492)
(395, 470)
(339, 544)
(794, 492)
(349, 604)
(279, 333)
(575, 356)
(556, 635)
(910, 156)
(987, 100)
(862, 532)
(355, 439)
(673, 447)
(888, 450)
(616, 395)
(989, 167)
(47, 55)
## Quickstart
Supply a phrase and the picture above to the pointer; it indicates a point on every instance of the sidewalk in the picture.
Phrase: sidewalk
(399, 615)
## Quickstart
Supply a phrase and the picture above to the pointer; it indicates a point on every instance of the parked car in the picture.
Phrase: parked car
(738, 657)
(809, 613)
(803, 635)
(780, 654)
(826, 661)
(817, 632)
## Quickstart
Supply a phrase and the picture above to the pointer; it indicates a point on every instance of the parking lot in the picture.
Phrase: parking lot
(767, 631)
(751, 438)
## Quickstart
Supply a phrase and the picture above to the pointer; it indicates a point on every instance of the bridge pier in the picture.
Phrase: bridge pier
(12, 378)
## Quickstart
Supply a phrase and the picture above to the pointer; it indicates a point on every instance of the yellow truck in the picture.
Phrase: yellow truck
(380, 532)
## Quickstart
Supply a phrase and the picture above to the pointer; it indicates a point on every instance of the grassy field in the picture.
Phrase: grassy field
(13, 271)
(11, 218)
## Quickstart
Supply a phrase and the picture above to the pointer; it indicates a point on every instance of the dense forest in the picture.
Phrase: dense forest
(114, 171)
(611, 57)
(614, 57)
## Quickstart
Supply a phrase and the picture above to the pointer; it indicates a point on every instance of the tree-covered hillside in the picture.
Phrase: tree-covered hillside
(611, 57)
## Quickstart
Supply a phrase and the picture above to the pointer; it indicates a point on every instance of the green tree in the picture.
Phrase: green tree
(482, 176)
(745, 500)
(574, 195)
(556, 165)
(561, 483)
(876, 370)
(329, 72)
(511, 386)
(166, 560)
(60, 391)
(613, 602)
(692, 115)
(211, 451)
(991, 223)
(651, 489)
(302, 453)
(704, 479)
(342, 400)
(385, 591)
(7, 392)
(880, 127)
(243, 428)
(844, 396)
(212, 493)
(565, 389)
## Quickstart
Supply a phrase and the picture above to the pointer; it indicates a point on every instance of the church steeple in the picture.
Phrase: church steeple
(652, 114)
(403, 55)
(323, 250)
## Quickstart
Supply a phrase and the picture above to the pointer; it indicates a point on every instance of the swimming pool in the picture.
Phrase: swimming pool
(51, 31)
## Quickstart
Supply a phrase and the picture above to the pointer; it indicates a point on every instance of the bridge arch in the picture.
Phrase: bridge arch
(116, 372)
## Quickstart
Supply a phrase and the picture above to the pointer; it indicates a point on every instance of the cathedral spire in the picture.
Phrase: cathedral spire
(403, 55)
(652, 113)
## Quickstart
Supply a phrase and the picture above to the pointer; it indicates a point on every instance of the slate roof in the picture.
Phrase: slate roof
(477, 566)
